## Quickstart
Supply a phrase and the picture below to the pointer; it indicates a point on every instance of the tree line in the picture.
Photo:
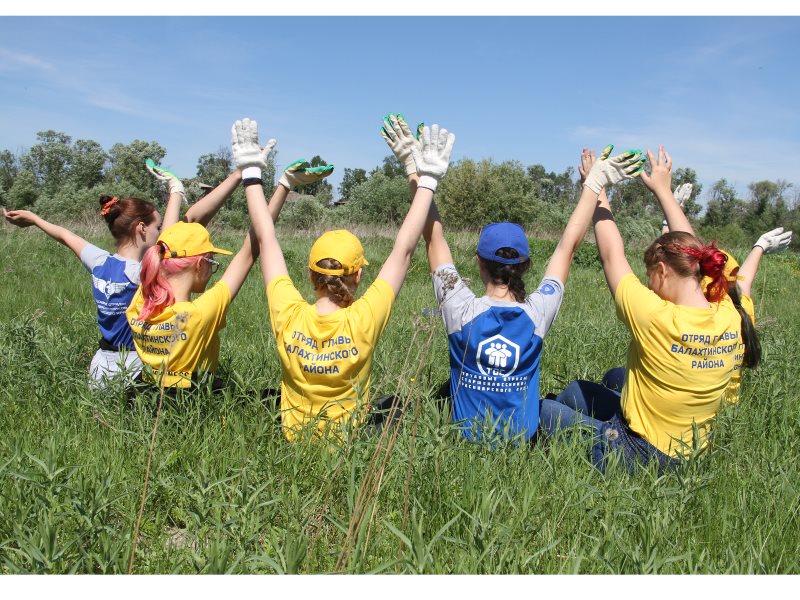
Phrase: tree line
(62, 179)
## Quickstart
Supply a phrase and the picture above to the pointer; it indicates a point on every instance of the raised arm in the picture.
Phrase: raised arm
(431, 160)
(25, 218)
(609, 241)
(400, 140)
(578, 223)
(177, 193)
(206, 207)
(659, 181)
(682, 194)
(773, 241)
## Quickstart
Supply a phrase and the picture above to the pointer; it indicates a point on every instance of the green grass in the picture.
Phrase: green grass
(228, 494)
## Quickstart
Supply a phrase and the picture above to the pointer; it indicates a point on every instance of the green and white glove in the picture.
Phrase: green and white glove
(433, 156)
(682, 193)
(247, 153)
(774, 241)
(296, 175)
(173, 182)
(400, 140)
(613, 170)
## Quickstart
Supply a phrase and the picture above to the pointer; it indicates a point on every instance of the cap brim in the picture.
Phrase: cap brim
(221, 251)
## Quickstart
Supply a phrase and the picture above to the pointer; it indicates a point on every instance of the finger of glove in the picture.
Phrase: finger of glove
(775, 231)
(441, 140)
(388, 129)
(419, 129)
(448, 147)
(269, 147)
(416, 153)
(785, 238)
(323, 171)
(606, 152)
(405, 130)
(296, 165)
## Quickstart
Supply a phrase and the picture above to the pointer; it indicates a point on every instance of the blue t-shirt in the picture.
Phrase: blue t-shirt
(495, 347)
(115, 280)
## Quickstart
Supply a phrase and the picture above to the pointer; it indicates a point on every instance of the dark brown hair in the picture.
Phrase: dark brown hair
(122, 215)
(752, 345)
(689, 257)
(508, 275)
(339, 288)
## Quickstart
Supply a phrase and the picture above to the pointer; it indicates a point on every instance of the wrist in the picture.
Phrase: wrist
(428, 182)
(251, 173)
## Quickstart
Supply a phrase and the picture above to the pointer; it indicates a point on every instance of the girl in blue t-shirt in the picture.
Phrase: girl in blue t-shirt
(496, 339)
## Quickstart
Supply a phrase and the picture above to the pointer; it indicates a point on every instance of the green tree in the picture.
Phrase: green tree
(127, 166)
(351, 178)
(379, 199)
(9, 167)
(390, 167)
(766, 208)
(691, 208)
(49, 160)
(723, 207)
(87, 164)
(215, 167)
(24, 191)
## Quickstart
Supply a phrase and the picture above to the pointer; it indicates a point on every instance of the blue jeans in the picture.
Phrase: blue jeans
(583, 403)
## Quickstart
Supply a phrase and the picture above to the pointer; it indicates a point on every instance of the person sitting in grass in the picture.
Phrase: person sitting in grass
(740, 282)
(326, 348)
(496, 339)
(178, 337)
(683, 350)
(135, 225)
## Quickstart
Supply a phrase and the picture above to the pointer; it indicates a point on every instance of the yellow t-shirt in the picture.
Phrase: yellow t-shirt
(732, 392)
(185, 334)
(680, 361)
(326, 360)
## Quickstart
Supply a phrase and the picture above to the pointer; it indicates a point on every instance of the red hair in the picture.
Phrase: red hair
(156, 290)
(689, 257)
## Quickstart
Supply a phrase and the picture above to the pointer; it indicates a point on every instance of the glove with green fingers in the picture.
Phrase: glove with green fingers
(613, 170)
(298, 175)
(432, 157)
(248, 155)
(400, 140)
(682, 193)
(774, 241)
(173, 182)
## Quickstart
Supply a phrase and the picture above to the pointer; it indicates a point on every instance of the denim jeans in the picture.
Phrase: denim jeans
(583, 403)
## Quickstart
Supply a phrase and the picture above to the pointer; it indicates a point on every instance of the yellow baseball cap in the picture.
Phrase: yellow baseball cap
(187, 239)
(731, 270)
(340, 245)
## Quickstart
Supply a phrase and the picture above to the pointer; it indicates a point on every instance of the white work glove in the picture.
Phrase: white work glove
(247, 153)
(682, 193)
(774, 241)
(173, 182)
(613, 170)
(433, 157)
(296, 175)
(400, 140)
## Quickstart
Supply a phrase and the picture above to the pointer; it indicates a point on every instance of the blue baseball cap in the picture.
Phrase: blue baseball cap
(503, 235)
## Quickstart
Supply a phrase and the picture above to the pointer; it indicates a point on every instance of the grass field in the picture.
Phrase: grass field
(228, 494)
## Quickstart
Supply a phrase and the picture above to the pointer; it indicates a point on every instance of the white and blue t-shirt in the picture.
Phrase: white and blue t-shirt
(495, 348)
(115, 280)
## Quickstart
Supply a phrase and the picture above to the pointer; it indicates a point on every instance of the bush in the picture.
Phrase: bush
(306, 212)
(379, 199)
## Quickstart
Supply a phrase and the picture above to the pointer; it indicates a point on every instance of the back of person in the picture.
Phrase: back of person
(495, 349)
(680, 361)
(326, 360)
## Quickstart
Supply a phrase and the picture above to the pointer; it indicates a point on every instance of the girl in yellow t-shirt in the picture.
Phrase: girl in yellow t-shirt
(326, 348)
(683, 347)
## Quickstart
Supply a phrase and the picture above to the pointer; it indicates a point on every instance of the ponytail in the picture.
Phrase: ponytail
(339, 289)
(156, 290)
(689, 257)
(752, 345)
(508, 275)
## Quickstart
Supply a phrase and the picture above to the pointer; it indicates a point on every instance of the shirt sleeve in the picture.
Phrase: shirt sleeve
(373, 309)
(282, 298)
(749, 308)
(91, 254)
(213, 305)
(545, 302)
(452, 295)
(635, 304)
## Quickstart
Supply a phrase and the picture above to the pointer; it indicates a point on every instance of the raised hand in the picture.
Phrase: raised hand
(774, 241)
(400, 140)
(588, 158)
(660, 178)
(249, 156)
(433, 157)
(296, 175)
(613, 170)
(20, 218)
(682, 193)
(173, 182)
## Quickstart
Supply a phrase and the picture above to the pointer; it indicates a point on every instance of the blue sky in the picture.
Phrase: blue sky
(721, 93)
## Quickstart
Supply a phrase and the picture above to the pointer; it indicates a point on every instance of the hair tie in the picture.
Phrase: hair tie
(107, 206)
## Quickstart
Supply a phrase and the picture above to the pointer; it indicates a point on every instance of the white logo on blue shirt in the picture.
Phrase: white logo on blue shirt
(497, 356)
(547, 289)
(109, 288)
